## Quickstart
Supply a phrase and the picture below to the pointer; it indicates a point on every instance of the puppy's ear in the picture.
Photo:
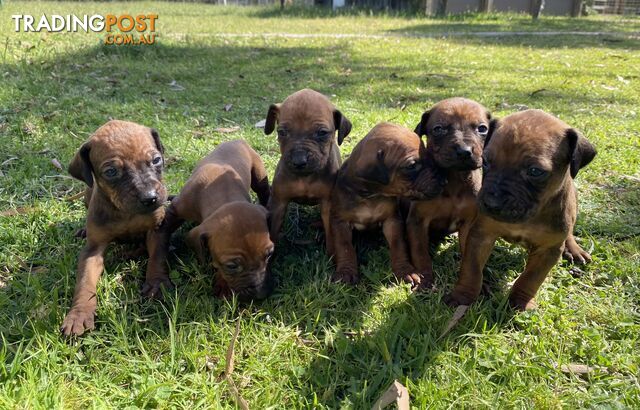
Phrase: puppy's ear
(421, 128)
(581, 151)
(376, 172)
(198, 241)
(493, 124)
(80, 166)
(156, 138)
(272, 118)
(342, 124)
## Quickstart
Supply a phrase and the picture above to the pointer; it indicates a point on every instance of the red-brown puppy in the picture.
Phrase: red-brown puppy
(122, 165)
(310, 158)
(389, 163)
(456, 129)
(528, 197)
(234, 230)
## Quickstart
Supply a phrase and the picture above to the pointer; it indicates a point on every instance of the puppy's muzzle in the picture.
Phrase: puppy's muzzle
(255, 286)
(463, 152)
(463, 158)
(149, 198)
(502, 206)
(302, 161)
(299, 159)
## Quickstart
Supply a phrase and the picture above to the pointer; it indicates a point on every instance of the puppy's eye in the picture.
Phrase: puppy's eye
(268, 255)
(322, 134)
(438, 129)
(482, 129)
(535, 172)
(282, 133)
(157, 160)
(232, 267)
(110, 172)
(413, 166)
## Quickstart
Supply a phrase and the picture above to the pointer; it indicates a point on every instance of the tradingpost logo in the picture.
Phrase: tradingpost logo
(125, 29)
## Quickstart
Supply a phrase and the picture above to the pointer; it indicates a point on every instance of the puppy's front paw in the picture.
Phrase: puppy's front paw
(347, 276)
(153, 288)
(522, 302)
(576, 255)
(78, 321)
(417, 280)
(459, 297)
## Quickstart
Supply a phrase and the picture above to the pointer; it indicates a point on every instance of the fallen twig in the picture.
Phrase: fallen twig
(75, 197)
(457, 315)
(235, 393)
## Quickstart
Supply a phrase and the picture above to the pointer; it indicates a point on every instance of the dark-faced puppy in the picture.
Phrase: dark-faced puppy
(231, 228)
(528, 197)
(121, 164)
(306, 124)
(389, 163)
(456, 129)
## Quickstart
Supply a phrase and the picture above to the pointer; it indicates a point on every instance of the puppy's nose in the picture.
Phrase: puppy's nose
(299, 159)
(149, 198)
(263, 291)
(463, 151)
(493, 201)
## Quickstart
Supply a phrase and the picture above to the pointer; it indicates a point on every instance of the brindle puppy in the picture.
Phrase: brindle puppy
(230, 227)
(310, 158)
(389, 163)
(456, 129)
(121, 164)
(528, 197)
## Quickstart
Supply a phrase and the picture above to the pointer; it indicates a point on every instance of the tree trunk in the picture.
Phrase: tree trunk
(442, 8)
(538, 6)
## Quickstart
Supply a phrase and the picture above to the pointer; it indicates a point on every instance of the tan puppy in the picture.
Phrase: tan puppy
(389, 163)
(528, 197)
(456, 129)
(122, 165)
(234, 230)
(310, 158)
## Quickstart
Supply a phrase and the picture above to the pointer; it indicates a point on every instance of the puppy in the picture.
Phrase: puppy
(527, 196)
(121, 164)
(456, 130)
(230, 227)
(390, 162)
(310, 158)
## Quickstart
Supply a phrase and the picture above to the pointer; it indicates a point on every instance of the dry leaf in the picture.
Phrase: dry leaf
(457, 315)
(226, 130)
(39, 270)
(576, 368)
(175, 86)
(395, 393)
(210, 362)
(227, 107)
(57, 164)
(260, 124)
(622, 79)
(7, 161)
(16, 211)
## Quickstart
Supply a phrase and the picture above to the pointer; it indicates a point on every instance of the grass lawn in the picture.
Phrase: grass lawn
(313, 343)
